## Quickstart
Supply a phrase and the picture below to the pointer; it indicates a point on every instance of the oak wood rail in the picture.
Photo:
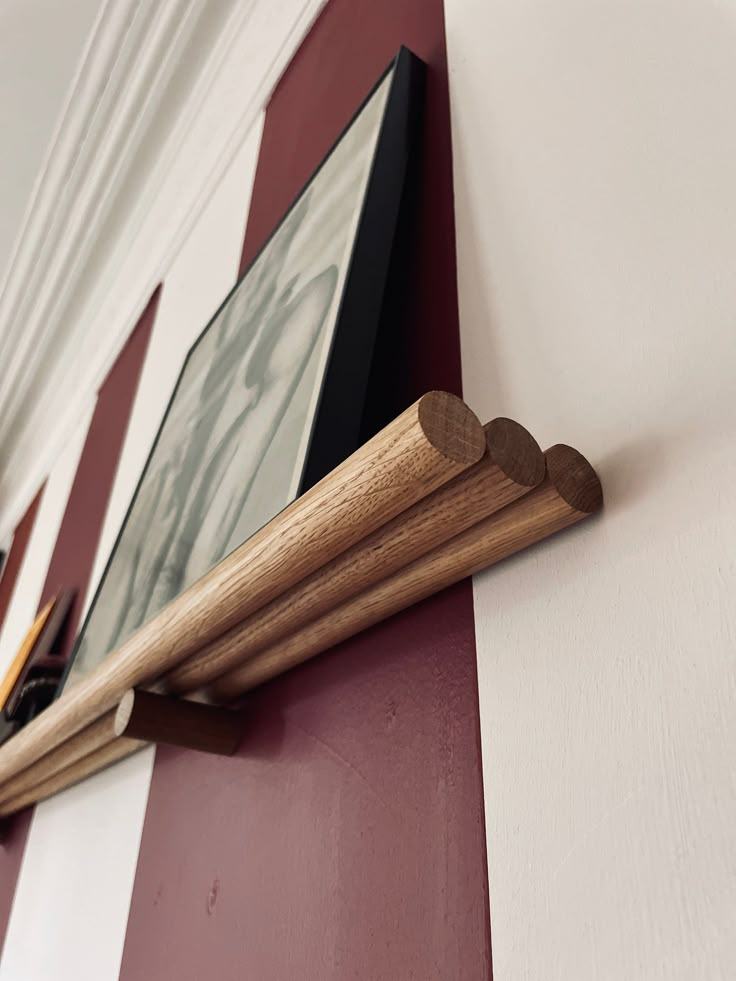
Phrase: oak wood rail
(426, 446)
(512, 465)
(98, 759)
(570, 492)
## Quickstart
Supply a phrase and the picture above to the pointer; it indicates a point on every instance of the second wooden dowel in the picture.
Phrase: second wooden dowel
(427, 445)
(102, 757)
(91, 739)
(512, 465)
(570, 492)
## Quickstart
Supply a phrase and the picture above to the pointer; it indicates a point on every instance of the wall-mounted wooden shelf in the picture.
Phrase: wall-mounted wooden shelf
(430, 500)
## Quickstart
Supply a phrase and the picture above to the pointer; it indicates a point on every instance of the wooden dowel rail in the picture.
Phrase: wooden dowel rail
(99, 759)
(570, 492)
(427, 445)
(140, 718)
(93, 737)
(512, 465)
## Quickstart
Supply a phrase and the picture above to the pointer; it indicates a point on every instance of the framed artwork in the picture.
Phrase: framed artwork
(271, 395)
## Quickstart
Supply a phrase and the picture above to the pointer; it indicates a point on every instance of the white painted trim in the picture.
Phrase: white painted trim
(164, 98)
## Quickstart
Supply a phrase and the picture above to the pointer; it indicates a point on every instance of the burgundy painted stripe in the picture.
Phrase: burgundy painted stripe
(13, 832)
(81, 526)
(79, 533)
(346, 839)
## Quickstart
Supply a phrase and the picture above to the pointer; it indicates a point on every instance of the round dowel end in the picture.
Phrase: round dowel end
(451, 427)
(515, 452)
(124, 712)
(574, 478)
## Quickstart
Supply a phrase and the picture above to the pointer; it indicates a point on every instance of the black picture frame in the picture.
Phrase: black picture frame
(340, 416)
(338, 425)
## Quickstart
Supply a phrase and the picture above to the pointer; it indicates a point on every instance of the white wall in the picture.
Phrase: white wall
(41, 42)
(595, 154)
(71, 904)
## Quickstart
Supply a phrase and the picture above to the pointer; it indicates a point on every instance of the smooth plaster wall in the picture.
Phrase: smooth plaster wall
(594, 153)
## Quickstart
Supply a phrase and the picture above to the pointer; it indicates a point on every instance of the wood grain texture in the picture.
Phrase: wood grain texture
(431, 442)
(178, 722)
(99, 759)
(571, 491)
(512, 465)
(90, 739)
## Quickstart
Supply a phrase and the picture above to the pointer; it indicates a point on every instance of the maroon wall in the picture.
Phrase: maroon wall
(13, 833)
(346, 839)
(76, 543)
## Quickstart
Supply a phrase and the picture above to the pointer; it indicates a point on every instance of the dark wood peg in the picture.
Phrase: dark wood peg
(178, 722)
